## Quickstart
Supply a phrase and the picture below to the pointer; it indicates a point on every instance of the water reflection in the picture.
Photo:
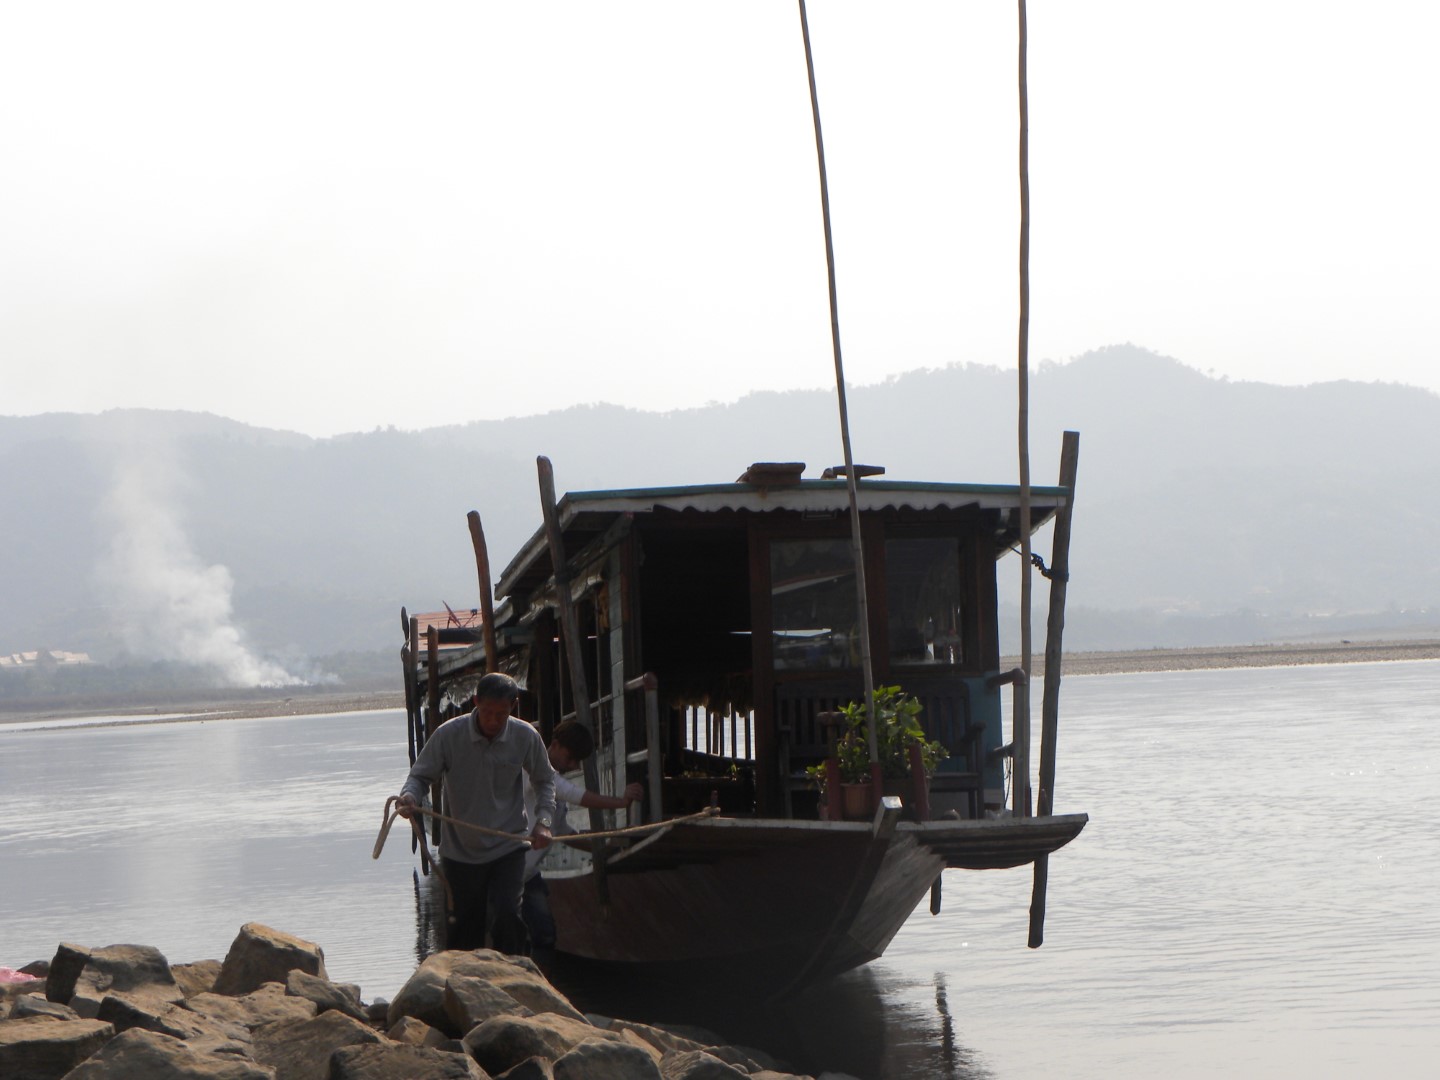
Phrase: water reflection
(857, 1024)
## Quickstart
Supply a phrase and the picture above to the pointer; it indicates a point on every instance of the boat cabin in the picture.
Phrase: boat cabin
(719, 629)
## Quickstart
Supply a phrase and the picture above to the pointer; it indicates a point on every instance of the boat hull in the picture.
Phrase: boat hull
(802, 900)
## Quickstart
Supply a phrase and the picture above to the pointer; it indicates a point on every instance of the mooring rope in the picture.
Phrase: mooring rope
(391, 812)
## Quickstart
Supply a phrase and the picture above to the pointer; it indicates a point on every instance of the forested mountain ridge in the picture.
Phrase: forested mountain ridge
(1205, 507)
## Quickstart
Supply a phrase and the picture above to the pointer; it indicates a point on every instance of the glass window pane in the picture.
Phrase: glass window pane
(922, 583)
(813, 605)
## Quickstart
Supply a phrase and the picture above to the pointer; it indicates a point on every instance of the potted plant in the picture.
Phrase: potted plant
(897, 730)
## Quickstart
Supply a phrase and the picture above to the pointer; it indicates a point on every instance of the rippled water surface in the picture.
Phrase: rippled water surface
(1254, 895)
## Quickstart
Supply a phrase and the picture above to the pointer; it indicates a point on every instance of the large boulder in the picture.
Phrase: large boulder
(469, 1002)
(325, 994)
(268, 1005)
(148, 1055)
(196, 978)
(39, 1005)
(15, 985)
(385, 1062)
(301, 1051)
(44, 1048)
(535, 1068)
(597, 1059)
(698, 1065)
(259, 955)
(65, 968)
(423, 995)
(201, 1033)
(502, 1042)
(664, 1041)
(140, 972)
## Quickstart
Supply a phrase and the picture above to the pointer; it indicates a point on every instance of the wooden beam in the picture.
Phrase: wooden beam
(1050, 710)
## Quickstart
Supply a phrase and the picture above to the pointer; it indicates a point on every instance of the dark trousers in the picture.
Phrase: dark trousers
(535, 910)
(486, 902)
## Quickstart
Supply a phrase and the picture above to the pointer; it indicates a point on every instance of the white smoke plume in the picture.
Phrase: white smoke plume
(167, 603)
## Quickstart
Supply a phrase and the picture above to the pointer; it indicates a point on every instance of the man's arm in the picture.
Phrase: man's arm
(593, 800)
(428, 768)
(542, 779)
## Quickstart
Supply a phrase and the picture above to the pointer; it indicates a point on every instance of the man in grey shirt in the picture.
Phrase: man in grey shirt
(480, 758)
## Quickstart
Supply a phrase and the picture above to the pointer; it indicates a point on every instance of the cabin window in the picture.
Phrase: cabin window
(813, 605)
(922, 585)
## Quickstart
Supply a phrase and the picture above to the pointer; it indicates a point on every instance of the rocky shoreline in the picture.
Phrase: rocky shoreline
(270, 1012)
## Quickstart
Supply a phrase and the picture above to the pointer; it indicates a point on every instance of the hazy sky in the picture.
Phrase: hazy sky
(329, 216)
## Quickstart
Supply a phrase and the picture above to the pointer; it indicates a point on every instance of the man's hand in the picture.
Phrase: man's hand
(634, 792)
(405, 807)
(540, 838)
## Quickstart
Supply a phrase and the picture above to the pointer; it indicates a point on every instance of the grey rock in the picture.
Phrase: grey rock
(196, 978)
(535, 1068)
(423, 995)
(698, 1035)
(202, 1033)
(39, 968)
(469, 1001)
(140, 972)
(270, 1004)
(39, 1005)
(378, 1011)
(259, 955)
(603, 1060)
(745, 1058)
(147, 1055)
(665, 1042)
(409, 1031)
(325, 994)
(537, 995)
(385, 1062)
(301, 1051)
(502, 1042)
(65, 968)
(698, 1065)
(46, 1048)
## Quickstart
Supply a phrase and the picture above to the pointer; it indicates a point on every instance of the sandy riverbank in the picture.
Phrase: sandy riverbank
(1117, 662)
(217, 707)
(1240, 656)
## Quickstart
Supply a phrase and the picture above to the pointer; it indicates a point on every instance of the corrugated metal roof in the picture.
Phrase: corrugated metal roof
(807, 496)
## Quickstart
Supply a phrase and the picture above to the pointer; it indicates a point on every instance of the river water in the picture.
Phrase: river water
(1254, 895)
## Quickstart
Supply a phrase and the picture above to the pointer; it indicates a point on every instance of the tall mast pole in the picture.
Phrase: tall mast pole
(1021, 787)
(856, 548)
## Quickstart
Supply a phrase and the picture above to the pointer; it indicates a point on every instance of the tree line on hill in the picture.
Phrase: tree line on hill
(1207, 511)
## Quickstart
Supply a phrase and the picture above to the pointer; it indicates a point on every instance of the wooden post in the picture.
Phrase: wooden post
(1021, 723)
(570, 636)
(487, 597)
(432, 717)
(1054, 633)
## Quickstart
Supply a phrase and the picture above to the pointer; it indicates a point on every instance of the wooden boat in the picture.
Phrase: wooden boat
(717, 628)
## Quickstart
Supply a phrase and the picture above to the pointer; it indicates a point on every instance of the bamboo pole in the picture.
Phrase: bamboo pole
(569, 630)
(856, 546)
(1021, 699)
(1050, 708)
(487, 591)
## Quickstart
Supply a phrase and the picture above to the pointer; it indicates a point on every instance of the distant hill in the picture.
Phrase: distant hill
(1208, 511)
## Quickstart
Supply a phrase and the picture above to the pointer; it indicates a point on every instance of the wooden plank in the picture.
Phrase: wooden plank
(1050, 709)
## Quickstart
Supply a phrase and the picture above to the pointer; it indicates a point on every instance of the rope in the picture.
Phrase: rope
(391, 812)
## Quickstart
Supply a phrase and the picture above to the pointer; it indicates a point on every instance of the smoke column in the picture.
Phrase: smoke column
(169, 604)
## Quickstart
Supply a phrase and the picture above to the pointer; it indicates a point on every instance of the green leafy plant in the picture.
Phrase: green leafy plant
(898, 728)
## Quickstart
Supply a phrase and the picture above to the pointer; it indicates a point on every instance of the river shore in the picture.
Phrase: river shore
(248, 704)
